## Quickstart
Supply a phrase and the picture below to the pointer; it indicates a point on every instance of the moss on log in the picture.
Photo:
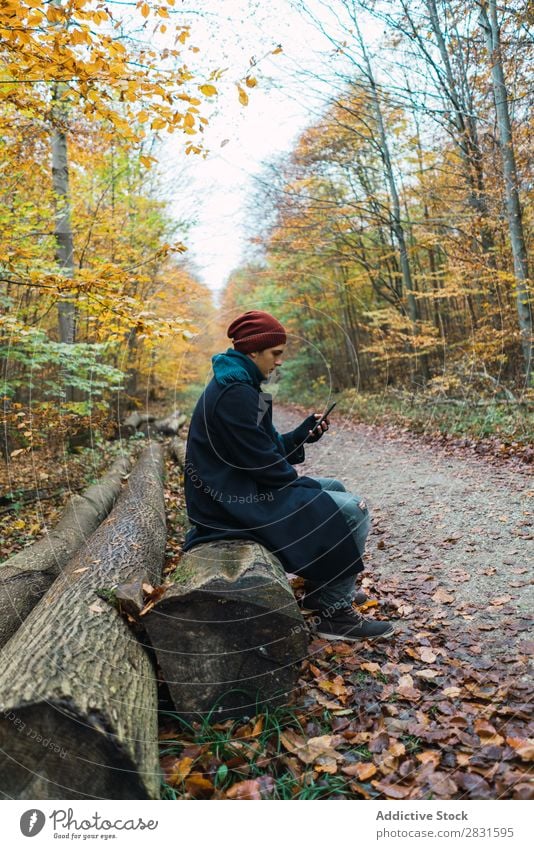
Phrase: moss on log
(78, 703)
(26, 576)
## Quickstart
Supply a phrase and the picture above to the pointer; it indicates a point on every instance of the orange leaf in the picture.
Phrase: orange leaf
(370, 667)
(372, 602)
(208, 90)
(245, 790)
(180, 771)
(198, 786)
(243, 96)
(258, 727)
(362, 771)
(429, 757)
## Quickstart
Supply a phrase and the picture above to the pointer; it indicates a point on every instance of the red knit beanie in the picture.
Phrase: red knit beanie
(256, 330)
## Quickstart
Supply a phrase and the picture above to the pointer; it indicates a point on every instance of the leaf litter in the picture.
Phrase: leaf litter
(427, 715)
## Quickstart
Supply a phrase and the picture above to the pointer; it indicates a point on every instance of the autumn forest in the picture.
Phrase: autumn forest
(394, 239)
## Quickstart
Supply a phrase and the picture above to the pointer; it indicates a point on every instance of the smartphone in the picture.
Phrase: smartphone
(319, 421)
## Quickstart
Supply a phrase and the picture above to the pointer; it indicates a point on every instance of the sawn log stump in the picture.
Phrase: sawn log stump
(228, 634)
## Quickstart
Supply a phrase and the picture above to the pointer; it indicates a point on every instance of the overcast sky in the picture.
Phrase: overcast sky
(216, 193)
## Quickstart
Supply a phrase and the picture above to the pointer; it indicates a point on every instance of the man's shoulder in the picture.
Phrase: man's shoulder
(236, 398)
(238, 388)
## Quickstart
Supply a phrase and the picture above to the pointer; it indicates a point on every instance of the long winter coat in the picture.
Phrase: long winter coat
(240, 482)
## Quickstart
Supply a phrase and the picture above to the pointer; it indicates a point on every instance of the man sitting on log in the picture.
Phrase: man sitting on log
(240, 483)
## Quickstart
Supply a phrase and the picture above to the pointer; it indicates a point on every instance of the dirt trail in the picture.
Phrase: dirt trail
(451, 534)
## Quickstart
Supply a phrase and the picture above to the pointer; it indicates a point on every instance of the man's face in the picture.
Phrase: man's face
(268, 359)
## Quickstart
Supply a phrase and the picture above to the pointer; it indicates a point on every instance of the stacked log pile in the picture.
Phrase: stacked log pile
(78, 703)
(78, 689)
(149, 425)
(26, 576)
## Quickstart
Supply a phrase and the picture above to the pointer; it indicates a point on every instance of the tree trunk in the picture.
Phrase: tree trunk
(490, 27)
(79, 698)
(63, 227)
(26, 576)
(397, 226)
(456, 91)
(228, 633)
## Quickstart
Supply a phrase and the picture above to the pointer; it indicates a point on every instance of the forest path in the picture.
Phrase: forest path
(451, 544)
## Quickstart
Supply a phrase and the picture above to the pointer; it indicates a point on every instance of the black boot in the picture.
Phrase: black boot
(350, 626)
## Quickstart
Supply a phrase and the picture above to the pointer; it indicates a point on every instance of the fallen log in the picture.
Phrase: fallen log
(14, 500)
(26, 576)
(128, 426)
(177, 451)
(228, 634)
(78, 703)
(133, 423)
(171, 425)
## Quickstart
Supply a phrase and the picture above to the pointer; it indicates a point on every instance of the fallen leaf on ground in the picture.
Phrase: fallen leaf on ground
(370, 667)
(426, 674)
(315, 747)
(393, 791)
(452, 692)
(198, 786)
(245, 790)
(442, 596)
(180, 771)
(523, 748)
(430, 756)
(336, 687)
(427, 655)
(441, 785)
(502, 599)
(361, 771)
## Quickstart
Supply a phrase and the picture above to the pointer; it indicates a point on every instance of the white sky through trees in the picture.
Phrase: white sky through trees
(216, 193)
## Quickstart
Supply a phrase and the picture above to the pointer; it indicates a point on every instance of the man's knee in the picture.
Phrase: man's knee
(332, 484)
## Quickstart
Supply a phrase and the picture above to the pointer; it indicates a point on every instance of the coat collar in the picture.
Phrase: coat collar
(233, 367)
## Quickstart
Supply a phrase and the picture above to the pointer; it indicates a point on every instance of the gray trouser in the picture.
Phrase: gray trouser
(340, 591)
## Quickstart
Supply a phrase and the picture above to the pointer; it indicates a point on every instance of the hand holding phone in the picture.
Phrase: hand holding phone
(323, 417)
(317, 430)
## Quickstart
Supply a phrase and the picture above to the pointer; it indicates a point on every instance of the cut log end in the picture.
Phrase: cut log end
(229, 636)
(51, 754)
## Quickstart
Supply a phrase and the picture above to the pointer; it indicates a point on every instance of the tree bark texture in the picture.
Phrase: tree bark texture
(26, 576)
(228, 634)
(78, 703)
(63, 230)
